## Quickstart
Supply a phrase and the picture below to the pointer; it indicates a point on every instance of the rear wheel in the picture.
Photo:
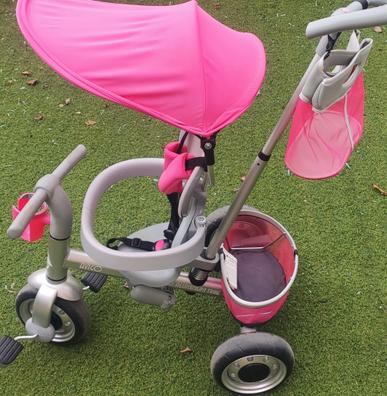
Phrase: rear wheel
(71, 319)
(252, 363)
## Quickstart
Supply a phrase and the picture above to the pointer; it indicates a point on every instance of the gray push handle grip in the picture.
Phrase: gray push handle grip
(24, 217)
(348, 21)
(40, 195)
(376, 3)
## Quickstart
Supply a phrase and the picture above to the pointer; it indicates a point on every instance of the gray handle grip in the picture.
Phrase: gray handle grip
(70, 161)
(348, 21)
(376, 3)
(33, 205)
(20, 223)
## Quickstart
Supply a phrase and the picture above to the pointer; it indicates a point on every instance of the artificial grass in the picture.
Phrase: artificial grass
(335, 315)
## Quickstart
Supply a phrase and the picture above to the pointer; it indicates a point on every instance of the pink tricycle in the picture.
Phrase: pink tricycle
(178, 64)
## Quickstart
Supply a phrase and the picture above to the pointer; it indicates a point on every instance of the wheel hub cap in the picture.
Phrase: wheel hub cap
(254, 374)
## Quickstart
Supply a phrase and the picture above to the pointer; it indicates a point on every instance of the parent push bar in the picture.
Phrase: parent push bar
(356, 15)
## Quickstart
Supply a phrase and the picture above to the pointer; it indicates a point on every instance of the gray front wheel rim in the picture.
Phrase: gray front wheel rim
(63, 334)
(276, 374)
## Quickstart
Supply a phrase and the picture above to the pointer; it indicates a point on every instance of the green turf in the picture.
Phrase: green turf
(335, 315)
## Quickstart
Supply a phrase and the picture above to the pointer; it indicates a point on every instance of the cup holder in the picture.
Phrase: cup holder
(35, 229)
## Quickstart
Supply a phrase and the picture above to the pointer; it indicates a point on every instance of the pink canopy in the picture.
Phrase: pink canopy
(175, 63)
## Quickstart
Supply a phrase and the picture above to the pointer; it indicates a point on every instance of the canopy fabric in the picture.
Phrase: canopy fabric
(175, 63)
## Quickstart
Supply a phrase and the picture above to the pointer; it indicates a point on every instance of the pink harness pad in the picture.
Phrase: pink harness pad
(174, 169)
(175, 63)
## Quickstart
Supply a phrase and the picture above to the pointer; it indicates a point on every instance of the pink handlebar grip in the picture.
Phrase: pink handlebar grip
(35, 229)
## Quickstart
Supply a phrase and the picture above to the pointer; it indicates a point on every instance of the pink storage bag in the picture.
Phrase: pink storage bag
(328, 118)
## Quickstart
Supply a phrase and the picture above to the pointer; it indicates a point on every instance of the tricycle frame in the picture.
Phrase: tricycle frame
(188, 247)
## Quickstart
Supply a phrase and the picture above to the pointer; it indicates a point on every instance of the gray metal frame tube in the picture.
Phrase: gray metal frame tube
(61, 211)
(57, 253)
(42, 308)
(213, 286)
(80, 260)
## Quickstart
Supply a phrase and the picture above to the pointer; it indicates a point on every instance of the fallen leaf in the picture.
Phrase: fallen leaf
(39, 117)
(67, 101)
(32, 82)
(78, 112)
(378, 29)
(243, 178)
(379, 189)
(61, 105)
(27, 73)
(11, 289)
(90, 122)
(186, 350)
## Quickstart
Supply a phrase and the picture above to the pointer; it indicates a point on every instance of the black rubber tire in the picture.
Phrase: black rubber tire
(249, 344)
(78, 312)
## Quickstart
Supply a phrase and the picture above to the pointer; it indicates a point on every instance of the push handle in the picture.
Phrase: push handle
(41, 194)
(347, 19)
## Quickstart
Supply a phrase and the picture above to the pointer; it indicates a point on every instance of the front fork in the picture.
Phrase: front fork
(55, 280)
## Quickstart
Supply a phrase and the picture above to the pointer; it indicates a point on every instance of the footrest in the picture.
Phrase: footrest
(94, 281)
(9, 350)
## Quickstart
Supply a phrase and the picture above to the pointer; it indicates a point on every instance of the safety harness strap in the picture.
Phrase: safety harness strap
(194, 162)
(136, 243)
(174, 219)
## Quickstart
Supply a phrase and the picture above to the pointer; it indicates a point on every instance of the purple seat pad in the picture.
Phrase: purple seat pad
(260, 275)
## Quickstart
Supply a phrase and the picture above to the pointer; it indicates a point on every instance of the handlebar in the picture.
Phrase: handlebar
(349, 18)
(70, 162)
(41, 193)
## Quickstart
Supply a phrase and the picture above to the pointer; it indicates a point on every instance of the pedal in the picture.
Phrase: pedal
(9, 350)
(94, 281)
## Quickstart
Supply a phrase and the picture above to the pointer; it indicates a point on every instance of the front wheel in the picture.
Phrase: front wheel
(71, 319)
(252, 363)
